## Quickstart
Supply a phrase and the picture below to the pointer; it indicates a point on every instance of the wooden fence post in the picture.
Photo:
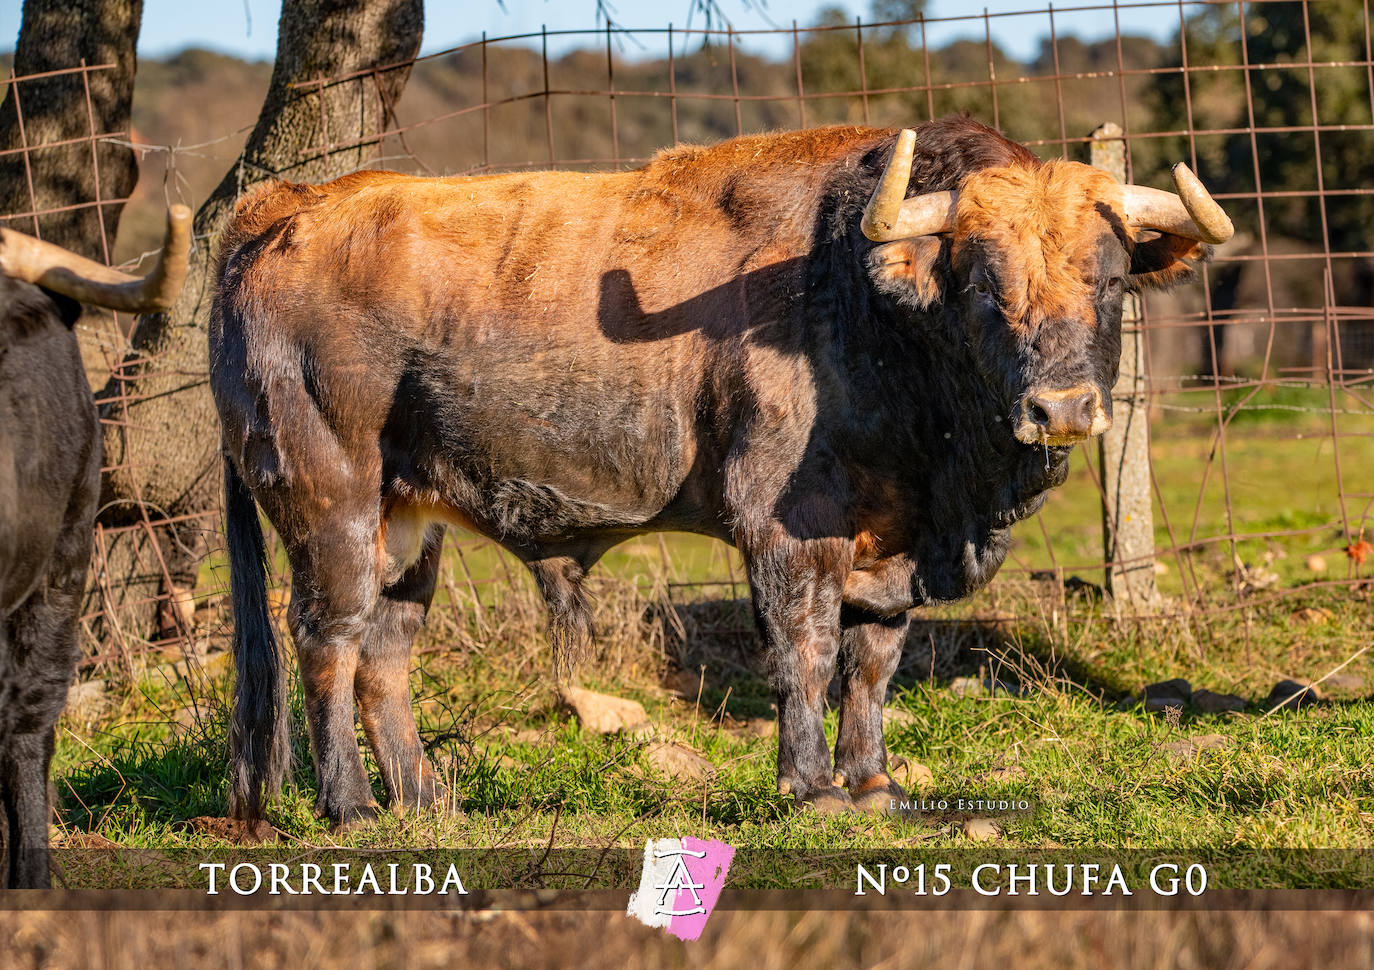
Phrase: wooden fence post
(1127, 516)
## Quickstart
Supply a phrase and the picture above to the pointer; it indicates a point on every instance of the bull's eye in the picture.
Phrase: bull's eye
(982, 288)
(1115, 285)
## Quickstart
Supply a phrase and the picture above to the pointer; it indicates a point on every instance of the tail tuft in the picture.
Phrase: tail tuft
(259, 733)
(570, 612)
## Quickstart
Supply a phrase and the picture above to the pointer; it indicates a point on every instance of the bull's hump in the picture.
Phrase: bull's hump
(767, 154)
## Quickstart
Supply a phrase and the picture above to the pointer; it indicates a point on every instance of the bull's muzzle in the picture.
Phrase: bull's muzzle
(1062, 416)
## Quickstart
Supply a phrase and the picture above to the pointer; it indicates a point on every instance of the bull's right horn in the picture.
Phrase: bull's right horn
(890, 215)
(1192, 213)
(62, 271)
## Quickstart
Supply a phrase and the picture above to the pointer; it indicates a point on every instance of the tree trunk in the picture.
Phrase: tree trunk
(57, 34)
(161, 432)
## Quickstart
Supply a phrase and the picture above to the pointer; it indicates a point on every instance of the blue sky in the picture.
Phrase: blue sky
(248, 28)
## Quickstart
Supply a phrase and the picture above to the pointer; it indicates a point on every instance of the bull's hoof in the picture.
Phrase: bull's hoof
(826, 801)
(878, 794)
(353, 817)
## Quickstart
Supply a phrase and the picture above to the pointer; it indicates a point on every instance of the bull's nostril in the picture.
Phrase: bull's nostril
(1060, 413)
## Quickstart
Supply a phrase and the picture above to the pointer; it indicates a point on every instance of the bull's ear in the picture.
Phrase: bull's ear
(1167, 260)
(907, 270)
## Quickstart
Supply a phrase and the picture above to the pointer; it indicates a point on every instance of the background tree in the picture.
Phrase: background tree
(1275, 34)
(57, 34)
(959, 72)
(1278, 34)
(896, 11)
(161, 431)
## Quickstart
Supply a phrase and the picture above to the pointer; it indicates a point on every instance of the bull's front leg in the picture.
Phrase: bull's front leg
(869, 652)
(797, 587)
(24, 796)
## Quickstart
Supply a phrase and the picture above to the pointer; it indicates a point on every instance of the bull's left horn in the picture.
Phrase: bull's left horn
(885, 207)
(1192, 213)
(890, 215)
(62, 271)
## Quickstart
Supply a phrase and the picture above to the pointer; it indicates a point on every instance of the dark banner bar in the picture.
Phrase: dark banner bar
(311, 878)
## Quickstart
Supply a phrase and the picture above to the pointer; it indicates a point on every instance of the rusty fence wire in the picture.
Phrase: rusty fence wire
(140, 583)
(1258, 379)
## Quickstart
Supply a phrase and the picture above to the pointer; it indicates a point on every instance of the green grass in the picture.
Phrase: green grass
(1099, 771)
(1280, 475)
(523, 774)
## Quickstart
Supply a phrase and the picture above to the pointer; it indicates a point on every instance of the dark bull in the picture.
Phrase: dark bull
(49, 486)
(765, 341)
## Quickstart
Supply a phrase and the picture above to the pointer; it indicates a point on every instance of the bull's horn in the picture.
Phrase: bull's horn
(926, 215)
(34, 261)
(890, 215)
(1191, 213)
(885, 207)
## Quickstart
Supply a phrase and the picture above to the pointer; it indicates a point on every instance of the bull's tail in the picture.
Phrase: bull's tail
(570, 612)
(259, 732)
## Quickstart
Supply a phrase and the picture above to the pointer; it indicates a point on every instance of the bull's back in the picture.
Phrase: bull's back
(546, 333)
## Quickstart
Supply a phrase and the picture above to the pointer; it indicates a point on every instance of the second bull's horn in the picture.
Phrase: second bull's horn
(1192, 212)
(890, 215)
(62, 271)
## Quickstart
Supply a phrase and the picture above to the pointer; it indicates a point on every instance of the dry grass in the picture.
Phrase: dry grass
(1028, 940)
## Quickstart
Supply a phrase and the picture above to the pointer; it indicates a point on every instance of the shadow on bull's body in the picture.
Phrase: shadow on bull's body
(708, 344)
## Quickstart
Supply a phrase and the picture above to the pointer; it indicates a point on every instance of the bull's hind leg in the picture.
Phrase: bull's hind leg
(382, 682)
(869, 652)
(334, 587)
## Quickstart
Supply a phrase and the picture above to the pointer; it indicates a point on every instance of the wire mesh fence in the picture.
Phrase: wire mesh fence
(1258, 379)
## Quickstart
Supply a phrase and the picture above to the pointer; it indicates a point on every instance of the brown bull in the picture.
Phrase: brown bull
(763, 341)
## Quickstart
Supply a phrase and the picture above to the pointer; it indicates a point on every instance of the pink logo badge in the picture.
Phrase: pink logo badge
(680, 884)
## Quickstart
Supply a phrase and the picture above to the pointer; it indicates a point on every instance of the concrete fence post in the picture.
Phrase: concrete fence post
(1127, 516)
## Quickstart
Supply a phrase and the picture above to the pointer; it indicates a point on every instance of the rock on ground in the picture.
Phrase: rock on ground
(758, 727)
(87, 698)
(684, 683)
(678, 761)
(895, 717)
(1311, 615)
(1195, 747)
(966, 687)
(602, 713)
(1177, 689)
(235, 830)
(1351, 683)
(1292, 695)
(981, 829)
(910, 774)
(978, 687)
(1208, 702)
